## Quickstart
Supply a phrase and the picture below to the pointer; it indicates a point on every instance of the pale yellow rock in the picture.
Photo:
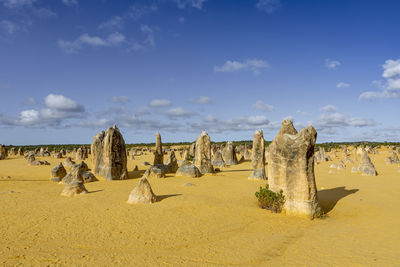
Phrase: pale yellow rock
(142, 193)
(291, 169)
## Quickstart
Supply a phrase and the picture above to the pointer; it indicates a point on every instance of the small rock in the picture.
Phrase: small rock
(73, 189)
(189, 184)
(142, 193)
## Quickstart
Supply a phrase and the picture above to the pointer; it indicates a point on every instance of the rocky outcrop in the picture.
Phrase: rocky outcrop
(156, 171)
(366, 166)
(109, 155)
(69, 163)
(188, 170)
(203, 154)
(158, 153)
(229, 154)
(257, 157)
(58, 173)
(172, 163)
(142, 193)
(217, 160)
(291, 169)
(73, 189)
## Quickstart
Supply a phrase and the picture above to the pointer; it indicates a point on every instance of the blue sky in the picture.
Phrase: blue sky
(70, 68)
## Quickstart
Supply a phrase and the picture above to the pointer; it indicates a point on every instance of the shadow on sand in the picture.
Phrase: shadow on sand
(162, 197)
(245, 170)
(328, 198)
(135, 174)
(95, 191)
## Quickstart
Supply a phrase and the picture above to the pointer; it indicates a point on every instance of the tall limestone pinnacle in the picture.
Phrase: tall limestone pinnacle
(291, 169)
(109, 154)
(203, 153)
(257, 157)
(158, 153)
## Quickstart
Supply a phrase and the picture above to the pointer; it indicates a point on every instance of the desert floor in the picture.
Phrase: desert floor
(215, 223)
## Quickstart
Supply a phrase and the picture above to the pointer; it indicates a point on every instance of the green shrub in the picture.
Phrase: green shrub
(270, 200)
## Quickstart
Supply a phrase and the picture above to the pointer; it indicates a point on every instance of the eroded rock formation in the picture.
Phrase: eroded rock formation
(291, 169)
(109, 155)
(257, 157)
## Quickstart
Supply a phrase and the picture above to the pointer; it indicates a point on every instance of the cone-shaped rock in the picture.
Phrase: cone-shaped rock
(142, 193)
(257, 157)
(158, 153)
(291, 169)
(203, 154)
(109, 155)
(366, 166)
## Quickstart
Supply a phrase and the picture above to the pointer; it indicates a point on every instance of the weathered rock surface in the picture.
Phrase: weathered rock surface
(69, 163)
(109, 155)
(188, 170)
(88, 177)
(218, 160)
(73, 189)
(142, 193)
(172, 163)
(229, 154)
(158, 153)
(203, 154)
(156, 171)
(3, 152)
(58, 172)
(366, 166)
(257, 157)
(291, 169)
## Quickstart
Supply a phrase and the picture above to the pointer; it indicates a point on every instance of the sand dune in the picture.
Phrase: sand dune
(216, 222)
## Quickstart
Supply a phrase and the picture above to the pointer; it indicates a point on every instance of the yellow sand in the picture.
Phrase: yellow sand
(215, 223)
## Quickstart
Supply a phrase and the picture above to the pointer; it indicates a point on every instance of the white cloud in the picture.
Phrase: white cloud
(70, 2)
(92, 40)
(116, 38)
(70, 47)
(243, 123)
(179, 112)
(331, 121)
(60, 102)
(119, 99)
(137, 11)
(342, 85)
(329, 108)
(58, 108)
(268, 6)
(8, 27)
(190, 3)
(389, 89)
(202, 100)
(157, 103)
(148, 42)
(116, 22)
(331, 63)
(17, 3)
(254, 65)
(260, 105)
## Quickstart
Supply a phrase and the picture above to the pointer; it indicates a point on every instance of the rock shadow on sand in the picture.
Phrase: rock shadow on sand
(160, 198)
(328, 198)
(136, 174)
